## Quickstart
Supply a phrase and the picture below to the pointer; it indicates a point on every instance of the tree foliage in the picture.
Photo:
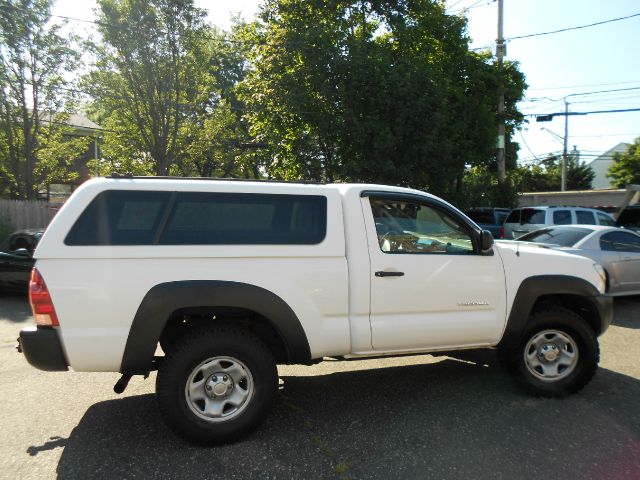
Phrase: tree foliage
(383, 91)
(35, 140)
(160, 79)
(147, 77)
(547, 175)
(626, 167)
(482, 189)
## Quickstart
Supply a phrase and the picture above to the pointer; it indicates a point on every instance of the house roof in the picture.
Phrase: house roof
(79, 121)
(600, 165)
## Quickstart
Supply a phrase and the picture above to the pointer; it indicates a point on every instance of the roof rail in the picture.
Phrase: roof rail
(130, 176)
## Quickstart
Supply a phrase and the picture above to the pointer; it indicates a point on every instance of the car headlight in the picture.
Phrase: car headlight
(603, 277)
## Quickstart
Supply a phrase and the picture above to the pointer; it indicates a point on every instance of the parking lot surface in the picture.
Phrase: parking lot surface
(411, 417)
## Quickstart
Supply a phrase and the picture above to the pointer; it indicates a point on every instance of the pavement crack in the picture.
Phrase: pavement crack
(340, 468)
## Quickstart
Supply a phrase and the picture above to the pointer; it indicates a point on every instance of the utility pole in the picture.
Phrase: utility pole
(565, 139)
(563, 187)
(500, 53)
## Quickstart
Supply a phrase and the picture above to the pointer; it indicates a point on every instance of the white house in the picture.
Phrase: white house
(600, 165)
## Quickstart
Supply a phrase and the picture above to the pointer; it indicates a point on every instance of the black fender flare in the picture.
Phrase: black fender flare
(164, 299)
(598, 306)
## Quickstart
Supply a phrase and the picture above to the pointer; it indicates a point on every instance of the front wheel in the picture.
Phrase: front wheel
(216, 384)
(558, 354)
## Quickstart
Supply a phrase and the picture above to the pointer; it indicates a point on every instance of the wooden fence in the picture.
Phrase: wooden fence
(23, 214)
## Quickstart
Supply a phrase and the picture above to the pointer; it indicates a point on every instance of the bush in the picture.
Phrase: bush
(480, 188)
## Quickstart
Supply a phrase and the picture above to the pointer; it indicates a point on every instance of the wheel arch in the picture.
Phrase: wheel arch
(165, 300)
(570, 292)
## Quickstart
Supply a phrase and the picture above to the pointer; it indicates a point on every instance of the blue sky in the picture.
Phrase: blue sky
(598, 58)
(587, 60)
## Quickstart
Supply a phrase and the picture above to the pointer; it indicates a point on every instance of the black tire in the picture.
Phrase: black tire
(201, 359)
(558, 354)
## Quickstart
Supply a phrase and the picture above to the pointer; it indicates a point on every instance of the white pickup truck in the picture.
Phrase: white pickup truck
(231, 278)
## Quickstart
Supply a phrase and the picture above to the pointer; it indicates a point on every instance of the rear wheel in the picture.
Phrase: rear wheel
(216, 384)
(558, 354)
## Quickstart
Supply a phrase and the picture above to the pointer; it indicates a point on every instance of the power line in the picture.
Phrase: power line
(607, 135)
(609, 101)
(64, 17)
(476, 49)
(527, 145)
(471, 7)
(537, 99)
(458, 2)
(560, 114)
(573, 28)
(224, 39)
(583, 86)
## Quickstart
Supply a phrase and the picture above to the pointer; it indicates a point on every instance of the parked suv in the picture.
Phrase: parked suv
(232, 278)
(489, 218)
(527, 219)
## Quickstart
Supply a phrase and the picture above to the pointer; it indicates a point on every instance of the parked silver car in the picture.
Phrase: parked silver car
(523, 220)
(616, 249)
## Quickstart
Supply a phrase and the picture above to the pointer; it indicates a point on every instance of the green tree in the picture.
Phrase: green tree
(547, 175)
(148, 77)
(626, 167)
(212, 140)
(482, 189)
(371, 91)
(35, 140)
(163, 86)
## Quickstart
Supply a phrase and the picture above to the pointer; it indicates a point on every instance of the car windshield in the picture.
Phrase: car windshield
(565, 237)
(531, 215)
(526, 216)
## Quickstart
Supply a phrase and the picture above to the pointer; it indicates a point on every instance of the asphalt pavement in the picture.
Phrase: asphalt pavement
(411, 417)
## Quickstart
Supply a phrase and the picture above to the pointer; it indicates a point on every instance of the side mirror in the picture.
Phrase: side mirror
(486, 242)
(22, 252)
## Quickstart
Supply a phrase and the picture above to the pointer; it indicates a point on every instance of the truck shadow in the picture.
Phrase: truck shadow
(453, 419)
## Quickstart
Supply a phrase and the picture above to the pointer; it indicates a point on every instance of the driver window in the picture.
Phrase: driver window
(407, 227)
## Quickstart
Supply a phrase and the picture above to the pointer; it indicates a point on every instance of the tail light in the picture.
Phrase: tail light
(501, 232)
(40, 301)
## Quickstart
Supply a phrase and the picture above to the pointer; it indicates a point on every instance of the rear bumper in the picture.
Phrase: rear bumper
(42, 348)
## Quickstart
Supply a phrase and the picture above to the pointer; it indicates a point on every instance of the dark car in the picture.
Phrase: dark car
(629, 218)
(16, 260)
(489, 218)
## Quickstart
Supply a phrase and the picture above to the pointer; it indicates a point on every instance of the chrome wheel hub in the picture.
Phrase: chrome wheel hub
(549, 352)
(219, 389)
(219, 385)
(551, 355)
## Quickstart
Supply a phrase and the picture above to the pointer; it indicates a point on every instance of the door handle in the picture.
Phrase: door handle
(389, 274)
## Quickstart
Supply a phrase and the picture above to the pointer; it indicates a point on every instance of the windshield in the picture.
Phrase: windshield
(565, 237)
(526, 216)
(531, 215)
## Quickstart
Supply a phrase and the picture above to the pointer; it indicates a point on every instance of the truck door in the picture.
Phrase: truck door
(431, 288)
